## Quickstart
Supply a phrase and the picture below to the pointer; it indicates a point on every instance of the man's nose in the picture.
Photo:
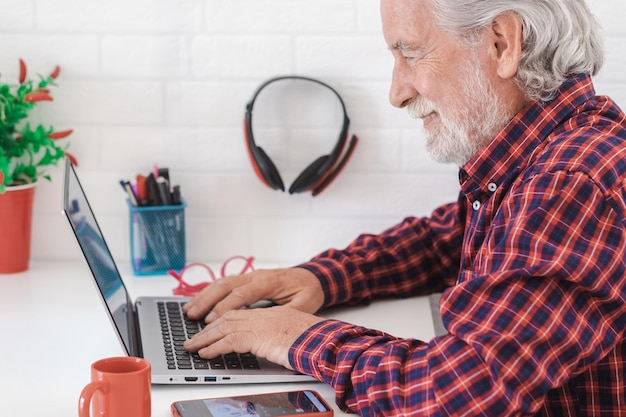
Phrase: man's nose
(402, 90)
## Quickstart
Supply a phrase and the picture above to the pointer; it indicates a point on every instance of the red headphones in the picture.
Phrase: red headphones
(321, 172)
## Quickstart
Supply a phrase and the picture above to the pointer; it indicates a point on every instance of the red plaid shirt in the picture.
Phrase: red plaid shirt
(534, 258)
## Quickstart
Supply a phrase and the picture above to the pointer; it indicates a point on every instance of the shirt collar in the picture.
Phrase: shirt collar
(505, 156)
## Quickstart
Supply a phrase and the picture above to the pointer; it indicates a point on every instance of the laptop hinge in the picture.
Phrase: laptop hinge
(133, 330)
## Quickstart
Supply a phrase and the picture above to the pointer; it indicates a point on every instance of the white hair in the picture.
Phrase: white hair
(560, 37)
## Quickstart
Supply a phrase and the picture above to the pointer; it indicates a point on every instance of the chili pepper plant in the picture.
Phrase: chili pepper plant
(26, 150)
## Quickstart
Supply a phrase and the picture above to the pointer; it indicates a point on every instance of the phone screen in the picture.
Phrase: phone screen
(261, 405)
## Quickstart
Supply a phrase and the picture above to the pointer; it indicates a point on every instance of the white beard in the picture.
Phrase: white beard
(465, 128)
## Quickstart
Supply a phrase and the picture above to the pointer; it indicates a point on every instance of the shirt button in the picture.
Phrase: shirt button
(476, 205)
(492, 187)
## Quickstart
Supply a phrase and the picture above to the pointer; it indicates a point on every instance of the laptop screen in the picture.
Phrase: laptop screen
(99, 258)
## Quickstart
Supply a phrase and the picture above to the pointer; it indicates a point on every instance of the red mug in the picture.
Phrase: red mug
(119, 387)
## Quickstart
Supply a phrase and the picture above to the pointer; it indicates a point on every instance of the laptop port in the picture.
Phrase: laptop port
(191, 378)
(210, 379)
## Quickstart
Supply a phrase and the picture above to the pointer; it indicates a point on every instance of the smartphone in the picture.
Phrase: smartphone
(285, 404)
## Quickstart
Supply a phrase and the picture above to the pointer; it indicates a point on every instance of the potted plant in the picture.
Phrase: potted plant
(25, 152)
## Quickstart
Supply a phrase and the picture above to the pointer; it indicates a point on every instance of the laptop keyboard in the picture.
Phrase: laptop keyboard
(176, 327)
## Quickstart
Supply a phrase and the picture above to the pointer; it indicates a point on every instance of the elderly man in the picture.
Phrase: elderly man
(532, 257)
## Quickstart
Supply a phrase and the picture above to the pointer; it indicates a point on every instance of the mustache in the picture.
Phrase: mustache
(420, 107)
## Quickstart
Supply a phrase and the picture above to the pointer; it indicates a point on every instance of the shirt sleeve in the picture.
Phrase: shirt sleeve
(544, 299)
(417, 256)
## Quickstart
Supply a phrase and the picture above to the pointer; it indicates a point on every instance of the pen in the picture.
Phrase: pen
(129, 190)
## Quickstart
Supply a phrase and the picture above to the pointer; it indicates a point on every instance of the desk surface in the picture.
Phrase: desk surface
(57, 326)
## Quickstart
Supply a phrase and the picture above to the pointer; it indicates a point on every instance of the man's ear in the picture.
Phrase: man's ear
(505, 37)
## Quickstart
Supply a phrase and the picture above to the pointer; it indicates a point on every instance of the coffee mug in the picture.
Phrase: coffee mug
(119, 387)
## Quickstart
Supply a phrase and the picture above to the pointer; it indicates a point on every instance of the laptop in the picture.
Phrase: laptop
(154, 327)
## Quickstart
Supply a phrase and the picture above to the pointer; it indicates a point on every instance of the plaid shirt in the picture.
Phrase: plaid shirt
(534, 258)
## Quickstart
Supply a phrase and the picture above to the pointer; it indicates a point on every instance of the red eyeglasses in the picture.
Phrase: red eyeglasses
(198, 275)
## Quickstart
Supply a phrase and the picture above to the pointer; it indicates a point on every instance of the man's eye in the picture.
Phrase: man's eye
(411, 59)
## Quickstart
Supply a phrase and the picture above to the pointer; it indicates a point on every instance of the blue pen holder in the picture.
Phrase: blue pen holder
(157, 238)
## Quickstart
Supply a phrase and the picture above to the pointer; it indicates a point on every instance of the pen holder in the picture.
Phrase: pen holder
(157, 238)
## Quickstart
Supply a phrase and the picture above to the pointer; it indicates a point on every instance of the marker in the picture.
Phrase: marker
(176, 198)
(153, 190)
(142, 190)
(164, 191)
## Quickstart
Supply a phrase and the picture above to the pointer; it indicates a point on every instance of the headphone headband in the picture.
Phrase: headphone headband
(320, 173)
(294, 77)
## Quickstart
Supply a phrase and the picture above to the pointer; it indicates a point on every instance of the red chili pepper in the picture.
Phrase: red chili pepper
(37, 96)
(22, 76)
(72, 158)
(60, 134)
(55, 73)
(1, 177)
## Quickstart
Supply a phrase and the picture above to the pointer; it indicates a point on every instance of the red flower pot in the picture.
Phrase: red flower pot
(16, 213)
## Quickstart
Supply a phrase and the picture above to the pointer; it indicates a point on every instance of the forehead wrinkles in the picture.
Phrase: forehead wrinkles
(407, 24)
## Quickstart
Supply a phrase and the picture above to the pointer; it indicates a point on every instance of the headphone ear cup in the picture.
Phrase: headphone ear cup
(261, 163)
(267, 169)
(310, 176)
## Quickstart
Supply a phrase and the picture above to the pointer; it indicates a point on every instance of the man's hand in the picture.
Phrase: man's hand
(266, 332)
(294, 287)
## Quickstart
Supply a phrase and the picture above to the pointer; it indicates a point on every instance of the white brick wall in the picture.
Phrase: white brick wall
(166, 81)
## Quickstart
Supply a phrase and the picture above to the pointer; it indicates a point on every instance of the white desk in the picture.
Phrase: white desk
(54, 326)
